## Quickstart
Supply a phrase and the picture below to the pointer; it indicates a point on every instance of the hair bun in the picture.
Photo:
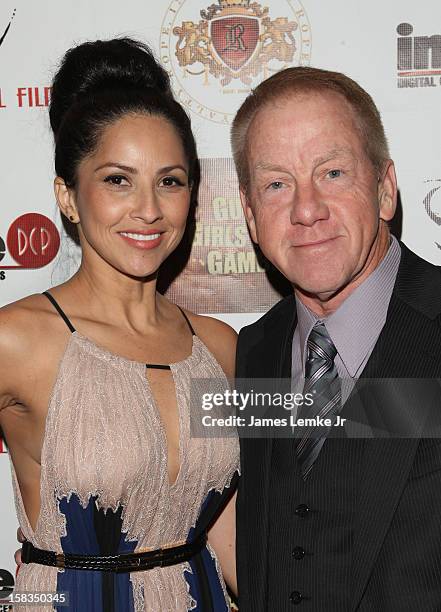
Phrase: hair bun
(104, 64)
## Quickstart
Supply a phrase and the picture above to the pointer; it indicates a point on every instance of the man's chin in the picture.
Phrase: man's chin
(323, 291)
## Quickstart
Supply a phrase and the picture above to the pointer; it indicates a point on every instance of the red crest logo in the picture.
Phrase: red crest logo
(235, 39)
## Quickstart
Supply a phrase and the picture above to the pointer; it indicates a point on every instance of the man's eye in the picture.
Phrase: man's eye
(334, 173)
(115, 179)
(276, 185)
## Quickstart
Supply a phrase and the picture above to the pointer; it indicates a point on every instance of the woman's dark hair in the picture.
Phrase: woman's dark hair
(98, 83)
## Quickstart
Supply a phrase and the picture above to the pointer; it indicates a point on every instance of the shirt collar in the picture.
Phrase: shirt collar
(361, 316)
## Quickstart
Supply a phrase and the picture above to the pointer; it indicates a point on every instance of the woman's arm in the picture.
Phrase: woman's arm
(222, 537)
(221, 340)
(10, 341)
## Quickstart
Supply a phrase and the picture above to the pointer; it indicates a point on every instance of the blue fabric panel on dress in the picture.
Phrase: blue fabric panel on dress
(209, 564)
(193, 585)
(217, 593)
(84, 586)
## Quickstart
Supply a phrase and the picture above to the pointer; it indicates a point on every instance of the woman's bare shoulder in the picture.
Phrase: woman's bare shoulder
(16, 318)
(18, 328)
(219, 337)
(24, 324)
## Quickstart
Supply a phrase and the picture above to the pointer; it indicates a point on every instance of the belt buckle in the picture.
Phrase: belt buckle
(161, 553)
(60, 560)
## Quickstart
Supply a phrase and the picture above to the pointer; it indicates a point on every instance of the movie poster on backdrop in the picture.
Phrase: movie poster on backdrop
(225, 272)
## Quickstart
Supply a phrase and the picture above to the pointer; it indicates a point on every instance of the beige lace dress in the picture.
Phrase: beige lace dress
(105, 486)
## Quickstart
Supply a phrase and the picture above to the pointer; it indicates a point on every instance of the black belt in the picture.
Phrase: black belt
(131, 562)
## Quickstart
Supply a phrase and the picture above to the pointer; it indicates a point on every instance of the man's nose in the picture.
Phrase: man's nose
(308, 205)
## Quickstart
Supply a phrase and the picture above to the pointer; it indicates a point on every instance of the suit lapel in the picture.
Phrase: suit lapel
(271, 356)
(401, 351)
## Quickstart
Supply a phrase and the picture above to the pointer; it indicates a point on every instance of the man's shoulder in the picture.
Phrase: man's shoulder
(416, 264)
(259, 343)
(278, 314)
(419, 283)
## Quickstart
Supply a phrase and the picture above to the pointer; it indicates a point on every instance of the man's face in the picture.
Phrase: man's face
(315, 201)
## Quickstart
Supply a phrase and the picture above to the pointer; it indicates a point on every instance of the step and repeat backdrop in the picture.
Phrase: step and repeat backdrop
(215, 53)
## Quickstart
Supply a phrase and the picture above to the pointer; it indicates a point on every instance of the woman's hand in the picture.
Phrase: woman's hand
(17, 555)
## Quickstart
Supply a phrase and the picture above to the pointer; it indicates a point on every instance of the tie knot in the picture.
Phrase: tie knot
(320, 342)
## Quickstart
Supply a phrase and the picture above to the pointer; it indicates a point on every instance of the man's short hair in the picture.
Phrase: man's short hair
(303, 79)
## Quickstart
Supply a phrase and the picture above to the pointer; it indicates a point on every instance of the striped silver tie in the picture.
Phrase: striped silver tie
(322, 381)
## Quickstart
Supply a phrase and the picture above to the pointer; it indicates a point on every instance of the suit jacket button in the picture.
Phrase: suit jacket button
(296, 597)
(298, 553)
(302, 510)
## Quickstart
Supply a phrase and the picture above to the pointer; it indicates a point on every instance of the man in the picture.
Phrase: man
(335, 523)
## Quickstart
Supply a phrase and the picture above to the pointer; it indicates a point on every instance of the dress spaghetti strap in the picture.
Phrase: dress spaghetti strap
(160, 366)
(188, 322)
(59, 310)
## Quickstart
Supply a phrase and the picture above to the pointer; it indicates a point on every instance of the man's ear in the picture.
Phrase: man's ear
(249, 215)
(387, 191)
(65, 197)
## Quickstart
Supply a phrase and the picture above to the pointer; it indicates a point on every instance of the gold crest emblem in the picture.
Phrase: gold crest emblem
(216, 54)
(235, 39)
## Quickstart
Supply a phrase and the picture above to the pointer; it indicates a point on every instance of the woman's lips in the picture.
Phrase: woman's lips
(141, 240)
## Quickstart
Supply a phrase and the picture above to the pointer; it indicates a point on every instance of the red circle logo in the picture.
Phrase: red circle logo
(33, 240)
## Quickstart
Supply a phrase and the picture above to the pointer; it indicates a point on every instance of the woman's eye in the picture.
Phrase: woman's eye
(171, 181)
(334, 173)
(115, 179)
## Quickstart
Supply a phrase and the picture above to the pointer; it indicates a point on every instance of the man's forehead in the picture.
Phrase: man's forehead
(260, 164)
(322, 129)
(304, 95)
(299, 101)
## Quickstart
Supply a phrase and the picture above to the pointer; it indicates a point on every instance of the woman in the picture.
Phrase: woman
(95, 386)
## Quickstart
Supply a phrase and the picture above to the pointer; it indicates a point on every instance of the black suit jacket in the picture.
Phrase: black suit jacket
(396, 563)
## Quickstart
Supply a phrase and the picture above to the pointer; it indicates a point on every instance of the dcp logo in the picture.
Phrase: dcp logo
(32, 241)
